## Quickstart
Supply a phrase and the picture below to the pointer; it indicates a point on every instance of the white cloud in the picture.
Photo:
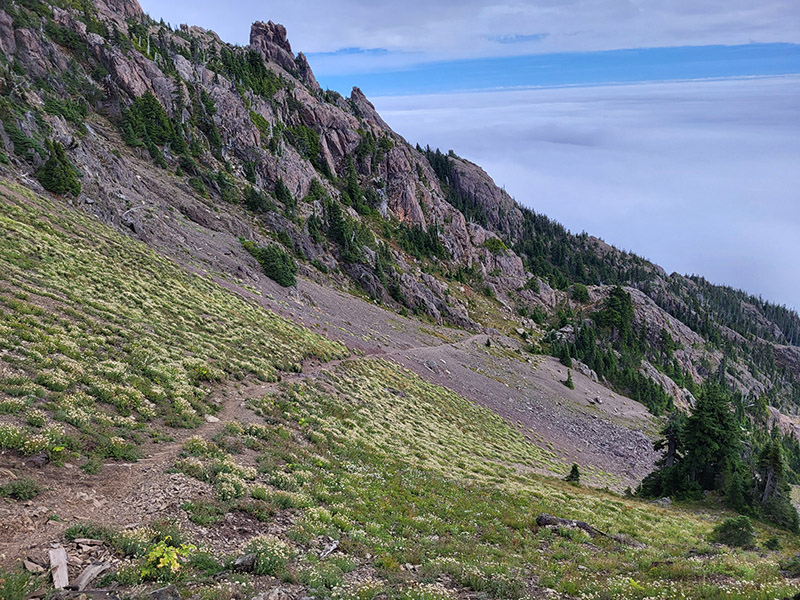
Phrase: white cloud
(420, 30)
(701, 177)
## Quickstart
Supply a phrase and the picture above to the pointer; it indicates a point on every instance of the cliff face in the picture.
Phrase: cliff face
(240, 125)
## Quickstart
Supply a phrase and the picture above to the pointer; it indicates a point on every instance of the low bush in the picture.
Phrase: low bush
(736, 532)
(21, 489)
(272, 554)
(278, 265)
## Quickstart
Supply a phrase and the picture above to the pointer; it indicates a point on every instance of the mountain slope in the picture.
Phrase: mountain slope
(231, 168)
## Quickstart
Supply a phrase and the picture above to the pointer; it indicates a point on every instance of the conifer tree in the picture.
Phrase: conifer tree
(58, 174)
(712, 438)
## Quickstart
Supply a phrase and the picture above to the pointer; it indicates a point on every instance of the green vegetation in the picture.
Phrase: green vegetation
(420, 242)
(574, 475)
(612, 349)
(735, 532)
(58, 174)
(443, 167)
(495, 245)
(579, 293)
(107, 338)
(568, 382)
(248, 69)
(21, 489)
(398, 471)
(257, 201)
(276, 262)
(146, 122)
(16, 585)
(306, 142)
(703, 453)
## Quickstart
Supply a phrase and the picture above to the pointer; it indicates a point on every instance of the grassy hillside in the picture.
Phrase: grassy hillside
(428, 496)
(102, 339)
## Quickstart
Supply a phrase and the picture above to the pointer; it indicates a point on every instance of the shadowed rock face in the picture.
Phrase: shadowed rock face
(119, 8)
(269, 39)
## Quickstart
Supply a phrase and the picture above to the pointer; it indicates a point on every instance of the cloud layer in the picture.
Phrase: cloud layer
(700, 177)
(417, 31)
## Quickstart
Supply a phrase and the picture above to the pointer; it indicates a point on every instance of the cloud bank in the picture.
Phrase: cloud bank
(700, 176)
(418, 31)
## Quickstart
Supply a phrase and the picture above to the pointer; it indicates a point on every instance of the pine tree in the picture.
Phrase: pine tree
(672, 441)
(712, 438)
(58, 174)
(569, 383)
(574, 475)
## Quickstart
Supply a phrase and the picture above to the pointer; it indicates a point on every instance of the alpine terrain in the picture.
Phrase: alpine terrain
(255, 345)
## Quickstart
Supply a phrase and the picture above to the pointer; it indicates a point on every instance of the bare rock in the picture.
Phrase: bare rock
(245, 563)
(269, 39)
(169, 592)
(7, 43)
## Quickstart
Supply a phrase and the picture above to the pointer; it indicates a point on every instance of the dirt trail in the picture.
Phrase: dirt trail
(121, 493)
(133, 492)
(129, 494)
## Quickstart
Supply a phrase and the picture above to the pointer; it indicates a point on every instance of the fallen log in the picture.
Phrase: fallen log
(545, 520)
(89, 574)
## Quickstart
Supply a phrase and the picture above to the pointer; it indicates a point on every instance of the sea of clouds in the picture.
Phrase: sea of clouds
(699, 176)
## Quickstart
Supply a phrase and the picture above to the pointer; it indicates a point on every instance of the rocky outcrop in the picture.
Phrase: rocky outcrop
(305, 74)
(364, 109)
(7, 43)
(116, 9)
(501, 210)
(269, 40)
(276, 136)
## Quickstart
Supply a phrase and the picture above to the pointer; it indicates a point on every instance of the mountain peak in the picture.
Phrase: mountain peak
(269, 39)
(119, 8)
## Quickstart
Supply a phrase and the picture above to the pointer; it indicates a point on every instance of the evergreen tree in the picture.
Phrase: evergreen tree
(58, 174)
(574, 475)
(672, 442)
(773, 488)
(569, 383)
(712, 438)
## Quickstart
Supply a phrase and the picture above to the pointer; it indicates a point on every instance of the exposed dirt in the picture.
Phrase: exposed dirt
(122, 494)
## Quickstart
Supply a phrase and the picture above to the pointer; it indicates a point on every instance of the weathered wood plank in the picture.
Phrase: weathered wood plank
(58, 567)
(89, 574)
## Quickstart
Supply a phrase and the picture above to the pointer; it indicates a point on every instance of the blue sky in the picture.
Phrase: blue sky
(568, 68)
(667, 127)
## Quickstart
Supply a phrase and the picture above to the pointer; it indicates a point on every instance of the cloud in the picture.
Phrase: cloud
(700, 176)
(517, 39)
(423, 31)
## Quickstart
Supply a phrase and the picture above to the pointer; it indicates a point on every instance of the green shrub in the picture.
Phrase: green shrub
(773, 543)
(495, 245)
(198, 186)
(580, 293)
(574, 475)
(568, 382)
(736, 532)
(58, 174)
(257, 201)
(203, 512)
(21, 489)
(792, 566)
(88, 530)
(16, 585)
(272, 554)
(164, 560)
(278, 265)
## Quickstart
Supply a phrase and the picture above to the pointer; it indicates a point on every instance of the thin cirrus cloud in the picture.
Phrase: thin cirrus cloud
(698, 176)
